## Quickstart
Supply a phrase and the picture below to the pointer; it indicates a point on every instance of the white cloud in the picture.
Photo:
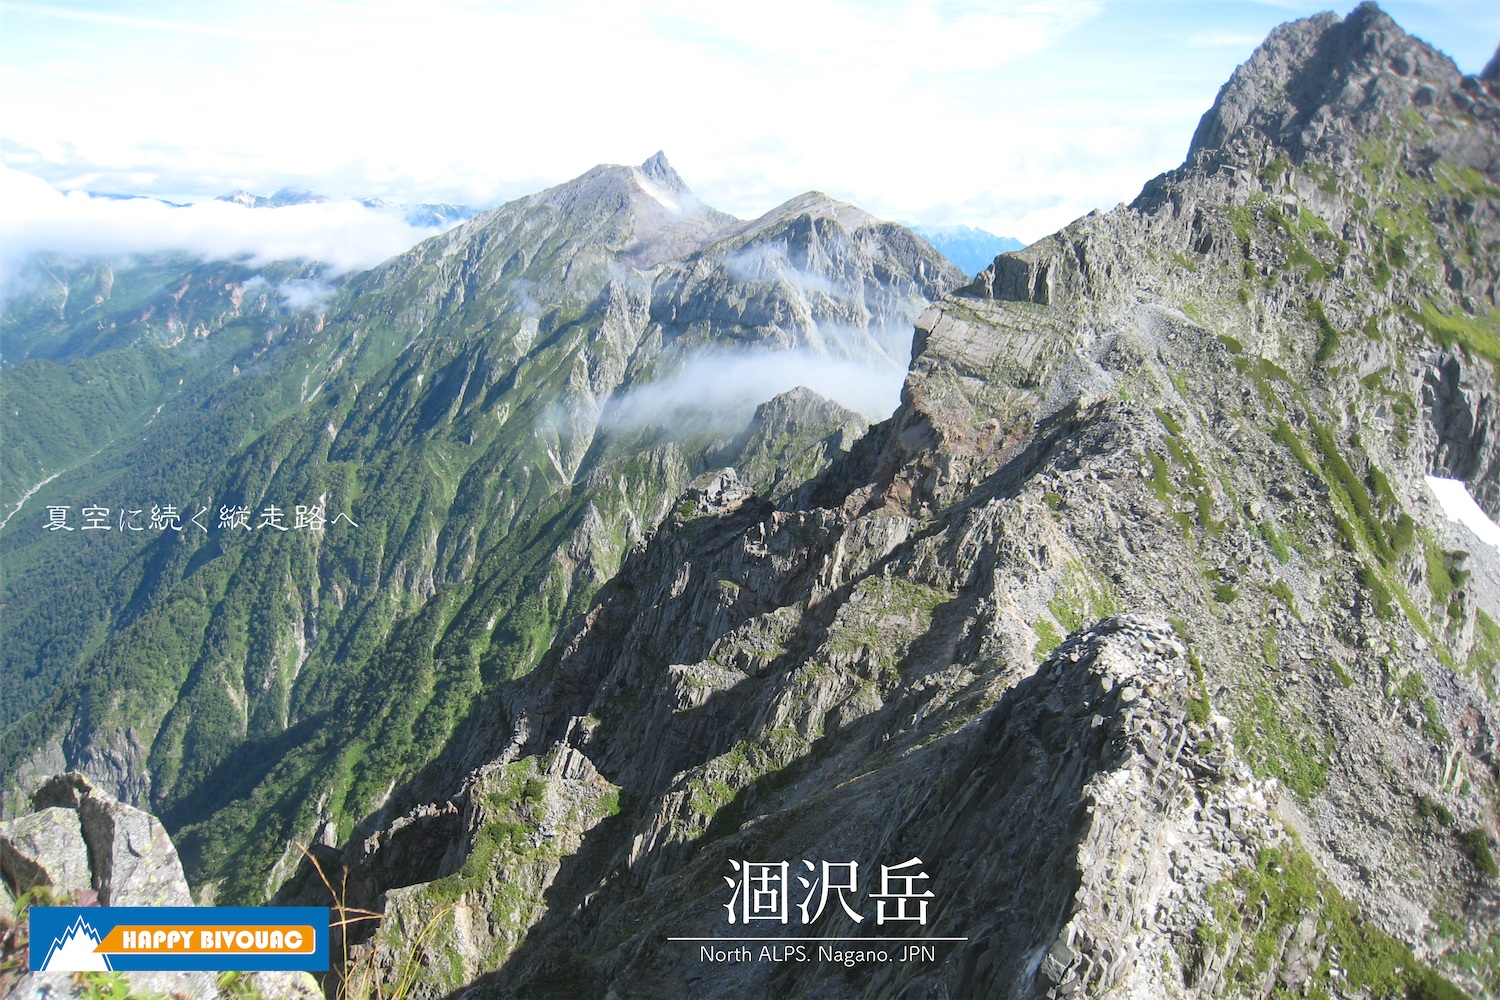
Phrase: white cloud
(717, 391)
(769, 262)
(305, 295)
(919, 37)
(1016, 117)
(345, 235)
(761, 101)
(72, 14)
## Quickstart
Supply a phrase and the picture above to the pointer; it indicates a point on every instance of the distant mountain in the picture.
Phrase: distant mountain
(423, 215)
(286, 196)
(505, 410)
(134, 197)
(971, 249)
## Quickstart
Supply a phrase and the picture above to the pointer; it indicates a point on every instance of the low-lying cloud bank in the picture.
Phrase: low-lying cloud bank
(719, 390)
(347, 236)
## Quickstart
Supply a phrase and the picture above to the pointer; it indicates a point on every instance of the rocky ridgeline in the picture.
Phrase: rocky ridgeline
(89, 850)
(509, 401)
(1343, 190)
(1176, 814)
(1214, 406)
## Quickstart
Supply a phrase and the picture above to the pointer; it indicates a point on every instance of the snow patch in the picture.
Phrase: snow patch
(1459, 506)
(659, 194)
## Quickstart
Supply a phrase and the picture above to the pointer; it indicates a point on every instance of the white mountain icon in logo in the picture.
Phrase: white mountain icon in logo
(73, 951)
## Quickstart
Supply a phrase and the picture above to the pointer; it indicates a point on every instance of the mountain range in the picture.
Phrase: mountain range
(477, 406)
(1135, 634)
(427, 215)
(969, 248)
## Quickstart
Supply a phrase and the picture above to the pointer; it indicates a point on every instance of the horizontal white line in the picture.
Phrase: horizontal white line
(892, 940)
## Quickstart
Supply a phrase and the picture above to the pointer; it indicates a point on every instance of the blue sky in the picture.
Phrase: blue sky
(1016, 117)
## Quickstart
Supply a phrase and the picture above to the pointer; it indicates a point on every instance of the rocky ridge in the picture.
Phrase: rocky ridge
(1213, 406)
(467, 403)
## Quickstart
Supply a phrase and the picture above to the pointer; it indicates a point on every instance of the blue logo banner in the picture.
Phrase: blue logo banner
(179, 938)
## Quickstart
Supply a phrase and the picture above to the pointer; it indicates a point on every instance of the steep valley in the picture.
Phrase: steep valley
(1136, 625)
(470, 407)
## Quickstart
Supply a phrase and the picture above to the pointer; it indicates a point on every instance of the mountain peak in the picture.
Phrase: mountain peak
(1313, 77)
(240, 197)
(286, 196)
(296, 196)
(819, 205)
(658, 171)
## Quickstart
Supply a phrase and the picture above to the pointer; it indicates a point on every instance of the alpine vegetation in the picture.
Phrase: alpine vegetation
(1130, 654)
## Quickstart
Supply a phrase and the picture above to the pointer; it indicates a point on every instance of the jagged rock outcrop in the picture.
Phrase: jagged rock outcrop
(791, 438)
(44, 848)
(80, 839)
(1215, 407)
(89, 850)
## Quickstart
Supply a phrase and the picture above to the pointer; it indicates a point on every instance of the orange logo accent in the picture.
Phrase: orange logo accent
(250, 939)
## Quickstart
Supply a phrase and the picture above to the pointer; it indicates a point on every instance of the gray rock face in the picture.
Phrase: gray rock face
(1346, 131)
(44, 848)
(134, 861)
(791, 438)
(1465, 410)
(814, 273)
(193, 985)
(1204, 407)
(1322, 84)
(83, 839)
(176, 985)
(83, 843)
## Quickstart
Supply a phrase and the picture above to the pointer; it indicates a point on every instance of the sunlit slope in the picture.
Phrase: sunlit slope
(1137, 622)
(251, 686)
(108, 410)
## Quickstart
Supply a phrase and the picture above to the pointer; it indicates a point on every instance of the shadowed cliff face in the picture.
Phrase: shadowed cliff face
(1190, 436)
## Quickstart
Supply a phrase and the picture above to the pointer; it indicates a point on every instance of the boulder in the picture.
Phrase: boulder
(82, 841)
(135, 863)
(44, 848)
(104, 852)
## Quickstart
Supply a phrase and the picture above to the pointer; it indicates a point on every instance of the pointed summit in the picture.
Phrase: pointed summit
(658, 171)
(1324, 82)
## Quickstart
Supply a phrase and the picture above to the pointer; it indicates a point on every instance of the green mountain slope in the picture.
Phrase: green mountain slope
(107, 411)
(258, 687)
(1136, 623)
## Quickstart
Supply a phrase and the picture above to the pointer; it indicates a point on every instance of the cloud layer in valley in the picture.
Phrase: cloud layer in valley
(718, 391)
(34, 216)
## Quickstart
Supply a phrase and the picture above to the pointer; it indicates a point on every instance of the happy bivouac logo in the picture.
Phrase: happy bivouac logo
(179, 938)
